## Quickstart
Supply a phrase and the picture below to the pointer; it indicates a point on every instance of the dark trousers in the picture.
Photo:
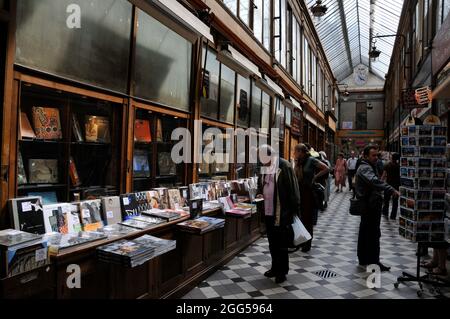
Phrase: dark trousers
(369, 237)
(387, 199)
(280, 257)
(351, 174)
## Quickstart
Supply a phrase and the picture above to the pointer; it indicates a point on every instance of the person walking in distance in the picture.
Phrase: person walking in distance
(340, 170)
(327, 179)
(308, 170)
(351, 166)
(369, 188)
(391, 174)
(278, 186)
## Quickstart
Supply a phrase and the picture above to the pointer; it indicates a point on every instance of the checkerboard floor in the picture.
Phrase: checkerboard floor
(334, 249)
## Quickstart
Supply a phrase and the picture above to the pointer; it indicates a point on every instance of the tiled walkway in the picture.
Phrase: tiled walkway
(334, 249)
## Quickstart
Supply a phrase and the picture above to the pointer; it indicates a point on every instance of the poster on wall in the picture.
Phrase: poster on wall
(347, 125)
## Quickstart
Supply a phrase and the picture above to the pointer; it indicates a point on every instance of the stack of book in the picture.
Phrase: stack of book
(211, 205)
(21, 252)
(202, 225)
(58, 242)
(167, 215)
(133, 253)
(143, 222)
(249, 207)
(240, 210)
(117, 230)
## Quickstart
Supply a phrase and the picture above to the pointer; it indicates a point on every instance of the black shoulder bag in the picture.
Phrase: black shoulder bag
(359, 205)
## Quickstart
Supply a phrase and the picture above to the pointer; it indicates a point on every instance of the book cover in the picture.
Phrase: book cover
(159, 131)
(74, 221)
(142, 131)
(141, 167)
(137, 224)
(150, 219)
(90, 212)
(47, 123)
(153, 198)
(57, 218)
(184, 192)
(43, 171)
(143, 201)
(26, 131)
(164, 214)
(175, 201)
(112, 214)
(214, 222)
(76, 129)
(195, 225)
(74, 177)
(129, 206)
(124, 248)
(226, 203)
(13, 237)
(57, 242)
(117, 230)
(23, 258)
(166, 165)
(163, 197)
(21, 175)
(28, 215)
(97, 129)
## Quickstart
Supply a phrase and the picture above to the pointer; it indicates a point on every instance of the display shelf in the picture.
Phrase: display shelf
(25, 141)
(40, 186)
(90, 144)
(141, 178)
(152, 149)
(87, 140)
(166, 176)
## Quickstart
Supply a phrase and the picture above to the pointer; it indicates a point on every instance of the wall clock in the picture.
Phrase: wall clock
(361, 75)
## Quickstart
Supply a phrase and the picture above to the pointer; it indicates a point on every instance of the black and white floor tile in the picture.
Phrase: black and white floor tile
(333, 256)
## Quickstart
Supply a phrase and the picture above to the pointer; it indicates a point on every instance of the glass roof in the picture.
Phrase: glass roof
(346, 29)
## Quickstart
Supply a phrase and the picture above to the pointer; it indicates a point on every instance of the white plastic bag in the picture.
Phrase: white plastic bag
(301, 235)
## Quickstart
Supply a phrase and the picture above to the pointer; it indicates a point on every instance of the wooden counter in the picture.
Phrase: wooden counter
(168, 276)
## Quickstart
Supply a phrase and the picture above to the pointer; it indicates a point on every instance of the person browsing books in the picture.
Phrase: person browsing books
(279, 188)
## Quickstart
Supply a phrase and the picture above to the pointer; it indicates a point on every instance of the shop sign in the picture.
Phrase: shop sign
(296, 122)
(347, 125)
(423, 96)
(409, 100)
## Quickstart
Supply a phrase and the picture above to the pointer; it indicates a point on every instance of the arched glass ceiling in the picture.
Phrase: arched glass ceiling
(345, 32)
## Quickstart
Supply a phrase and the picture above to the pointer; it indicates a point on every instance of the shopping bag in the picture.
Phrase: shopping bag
(301, 235)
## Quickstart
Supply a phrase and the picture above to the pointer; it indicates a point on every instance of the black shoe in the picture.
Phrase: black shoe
(383, 267)
(280, 279)
(269, 274)
(306, 249)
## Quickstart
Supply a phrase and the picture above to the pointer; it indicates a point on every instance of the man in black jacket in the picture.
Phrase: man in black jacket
(278, 186)
(369, 188)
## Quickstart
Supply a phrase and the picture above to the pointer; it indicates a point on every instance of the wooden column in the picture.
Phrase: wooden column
(8, 170)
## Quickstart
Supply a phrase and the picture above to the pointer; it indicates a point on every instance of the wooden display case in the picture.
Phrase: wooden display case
(95, 156)
(152, 165)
